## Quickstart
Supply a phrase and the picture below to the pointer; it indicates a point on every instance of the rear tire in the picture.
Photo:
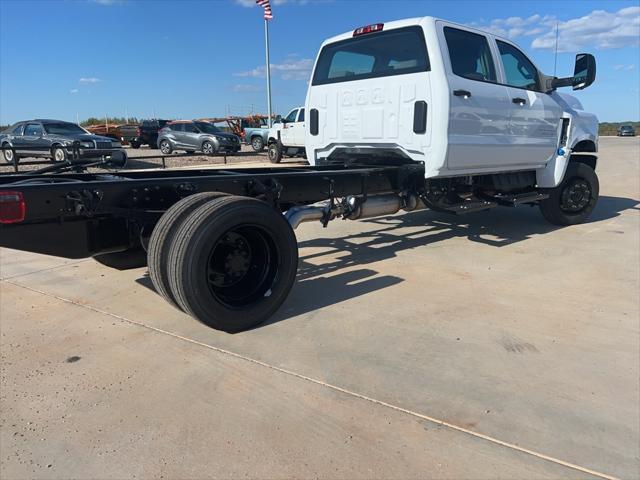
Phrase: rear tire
(274, 153)
(257, 143)
(132, 258)
(135, 145)
(233, 263)
(574, 199)
(163, 235)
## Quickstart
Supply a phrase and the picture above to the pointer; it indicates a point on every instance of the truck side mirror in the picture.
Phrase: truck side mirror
(584, 72)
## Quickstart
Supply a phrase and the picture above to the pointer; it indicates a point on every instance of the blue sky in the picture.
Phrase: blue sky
(185, 59)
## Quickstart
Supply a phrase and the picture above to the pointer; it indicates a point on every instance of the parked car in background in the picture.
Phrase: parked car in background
(54, 139)
(626, 131)
(194, 135)
(256, 136)
(145, 133)
(287, 136)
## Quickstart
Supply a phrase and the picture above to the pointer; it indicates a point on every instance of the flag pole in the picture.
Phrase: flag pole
(268, 69)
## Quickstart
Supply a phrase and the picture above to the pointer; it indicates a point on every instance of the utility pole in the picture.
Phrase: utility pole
(268, 69)
(555, 58)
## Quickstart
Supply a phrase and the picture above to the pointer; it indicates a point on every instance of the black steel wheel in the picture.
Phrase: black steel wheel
(574, 199)
(233, 263)
(164, 234)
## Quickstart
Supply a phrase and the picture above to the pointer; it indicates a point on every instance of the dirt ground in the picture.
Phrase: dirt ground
(419, 345)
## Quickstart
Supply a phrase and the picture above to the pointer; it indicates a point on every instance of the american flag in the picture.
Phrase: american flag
(266, 4)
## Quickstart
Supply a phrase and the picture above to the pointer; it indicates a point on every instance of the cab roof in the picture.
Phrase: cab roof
(406, 22)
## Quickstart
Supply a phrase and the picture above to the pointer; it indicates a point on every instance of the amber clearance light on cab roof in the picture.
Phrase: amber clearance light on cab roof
(12, 207)
(376, 27)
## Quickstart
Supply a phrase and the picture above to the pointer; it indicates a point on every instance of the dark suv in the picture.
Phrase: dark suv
(144, 133)
(54, 139)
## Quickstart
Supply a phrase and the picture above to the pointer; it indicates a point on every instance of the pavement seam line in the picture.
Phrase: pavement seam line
(18, 275)
(315, 381)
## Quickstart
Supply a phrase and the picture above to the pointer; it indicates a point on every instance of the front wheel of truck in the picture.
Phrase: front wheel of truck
(274, 153)
(574, 199)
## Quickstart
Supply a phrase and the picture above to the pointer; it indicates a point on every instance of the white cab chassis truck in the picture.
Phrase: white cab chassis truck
(468, 105)
(401, 116)
(287, 137)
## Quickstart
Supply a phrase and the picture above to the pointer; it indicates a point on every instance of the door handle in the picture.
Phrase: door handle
(462, 93)
(519, 101)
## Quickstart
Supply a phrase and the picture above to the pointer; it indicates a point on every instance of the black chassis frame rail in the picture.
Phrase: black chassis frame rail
(84, 214)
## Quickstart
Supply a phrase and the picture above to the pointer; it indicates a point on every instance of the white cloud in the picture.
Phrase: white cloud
(74, 90)
(290, 69)
(513, 27)
(624, 67)
(597, 30)
(89, 80)
(247, 88)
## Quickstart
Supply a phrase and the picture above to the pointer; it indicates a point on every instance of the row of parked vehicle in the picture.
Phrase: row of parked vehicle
(58, 140)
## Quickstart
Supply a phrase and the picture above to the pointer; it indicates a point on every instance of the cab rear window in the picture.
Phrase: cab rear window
(381, 54)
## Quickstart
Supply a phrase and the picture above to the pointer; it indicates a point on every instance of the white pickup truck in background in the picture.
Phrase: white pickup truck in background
(287, 137)
(468, 104)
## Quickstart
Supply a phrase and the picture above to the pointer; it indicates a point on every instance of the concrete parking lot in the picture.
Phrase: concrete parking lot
(420, 345)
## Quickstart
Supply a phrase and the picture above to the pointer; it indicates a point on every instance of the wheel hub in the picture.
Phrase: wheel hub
(576, 195)
(231, 262)
(242, 266)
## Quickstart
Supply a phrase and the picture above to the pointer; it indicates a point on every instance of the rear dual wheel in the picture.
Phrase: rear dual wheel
(229, 261)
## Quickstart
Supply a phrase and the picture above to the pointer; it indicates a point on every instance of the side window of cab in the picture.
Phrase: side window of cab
(518, 70)
(470, 55)
(292, 116)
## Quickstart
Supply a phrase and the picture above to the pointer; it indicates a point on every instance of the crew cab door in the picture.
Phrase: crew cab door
(479, 106)
(288, 131)
(534, 119)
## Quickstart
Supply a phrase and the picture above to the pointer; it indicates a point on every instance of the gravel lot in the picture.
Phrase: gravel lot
(492, 345)
(143, 157)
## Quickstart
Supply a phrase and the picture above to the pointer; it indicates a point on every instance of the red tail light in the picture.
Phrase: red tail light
(12, 207)
(376, 27)
(138, 131)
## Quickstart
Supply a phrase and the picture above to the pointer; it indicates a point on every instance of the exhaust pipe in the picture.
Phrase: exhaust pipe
(297, 215)
(354, 208)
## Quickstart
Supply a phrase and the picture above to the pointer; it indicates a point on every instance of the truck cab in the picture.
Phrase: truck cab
(462, 101)
(287, 137)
